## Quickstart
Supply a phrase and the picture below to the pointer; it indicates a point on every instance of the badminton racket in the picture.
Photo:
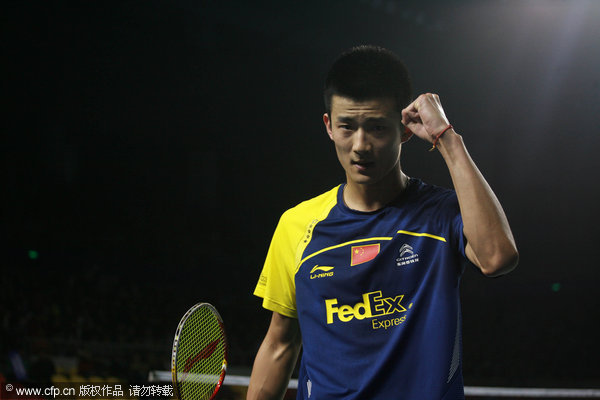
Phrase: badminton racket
(199, 358)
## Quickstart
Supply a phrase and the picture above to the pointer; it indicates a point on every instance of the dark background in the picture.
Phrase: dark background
(149, 147)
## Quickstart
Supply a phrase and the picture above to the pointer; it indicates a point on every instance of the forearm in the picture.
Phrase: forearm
(274, 362)
(271, 372)
(491, 245)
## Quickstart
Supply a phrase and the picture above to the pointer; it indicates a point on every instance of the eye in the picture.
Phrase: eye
(379, 129)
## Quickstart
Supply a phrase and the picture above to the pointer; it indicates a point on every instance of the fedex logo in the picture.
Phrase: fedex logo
(373, 305)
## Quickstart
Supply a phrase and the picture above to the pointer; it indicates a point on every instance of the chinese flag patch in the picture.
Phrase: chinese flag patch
(362, 254)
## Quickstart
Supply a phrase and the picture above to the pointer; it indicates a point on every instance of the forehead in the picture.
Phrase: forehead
(383, 107)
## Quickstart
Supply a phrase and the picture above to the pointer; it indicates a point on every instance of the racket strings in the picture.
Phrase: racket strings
(201, 354)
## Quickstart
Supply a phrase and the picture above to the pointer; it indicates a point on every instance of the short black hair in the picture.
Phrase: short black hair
(367, 72)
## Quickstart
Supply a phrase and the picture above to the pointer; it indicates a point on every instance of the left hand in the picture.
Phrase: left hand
(425, 117)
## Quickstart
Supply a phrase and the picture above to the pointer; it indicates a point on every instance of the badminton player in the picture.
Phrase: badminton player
(365, 277)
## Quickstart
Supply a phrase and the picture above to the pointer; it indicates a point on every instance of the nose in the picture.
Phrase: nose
(361, 143)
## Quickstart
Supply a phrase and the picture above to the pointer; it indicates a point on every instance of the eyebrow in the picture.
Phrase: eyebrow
(348, 119)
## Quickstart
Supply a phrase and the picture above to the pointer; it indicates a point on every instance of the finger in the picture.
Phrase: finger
(407, 112)
(410, 117)
(422, 101)
(405, 115)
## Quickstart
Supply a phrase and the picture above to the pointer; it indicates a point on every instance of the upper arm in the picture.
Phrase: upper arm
(284, 331)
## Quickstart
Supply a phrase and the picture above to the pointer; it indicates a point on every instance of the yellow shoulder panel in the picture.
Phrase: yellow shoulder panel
(293, 233)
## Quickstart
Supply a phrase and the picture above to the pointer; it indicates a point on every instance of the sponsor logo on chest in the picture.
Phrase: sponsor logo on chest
(406, 256)
(384, 312)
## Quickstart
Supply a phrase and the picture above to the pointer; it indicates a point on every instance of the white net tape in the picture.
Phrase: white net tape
(238, 380)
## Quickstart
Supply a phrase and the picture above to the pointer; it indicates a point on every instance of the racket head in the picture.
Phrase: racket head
(199, 358)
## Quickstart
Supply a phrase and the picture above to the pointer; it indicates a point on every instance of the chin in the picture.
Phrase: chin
(363, 180)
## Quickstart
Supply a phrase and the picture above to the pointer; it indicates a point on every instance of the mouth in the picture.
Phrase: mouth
(362, 165)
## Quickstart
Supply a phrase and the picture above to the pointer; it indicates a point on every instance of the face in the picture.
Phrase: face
(368, 136)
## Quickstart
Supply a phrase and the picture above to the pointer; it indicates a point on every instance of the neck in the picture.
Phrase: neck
(372, 197)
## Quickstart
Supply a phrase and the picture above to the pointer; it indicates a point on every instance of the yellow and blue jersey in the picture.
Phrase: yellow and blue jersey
(376, 294)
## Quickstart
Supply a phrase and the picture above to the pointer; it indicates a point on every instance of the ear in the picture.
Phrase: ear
(327, 123)
(406, 134)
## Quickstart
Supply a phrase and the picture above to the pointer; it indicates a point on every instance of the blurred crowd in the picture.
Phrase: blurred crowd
(87, 319)
(84, 317)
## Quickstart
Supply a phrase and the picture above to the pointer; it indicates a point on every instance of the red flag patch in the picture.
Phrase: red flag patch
(362, 254)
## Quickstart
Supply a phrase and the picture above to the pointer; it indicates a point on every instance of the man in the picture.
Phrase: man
(365, 277)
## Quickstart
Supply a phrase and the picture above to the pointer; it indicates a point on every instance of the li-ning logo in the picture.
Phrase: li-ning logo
(406, 256)
(203, 354)
(326, 272)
